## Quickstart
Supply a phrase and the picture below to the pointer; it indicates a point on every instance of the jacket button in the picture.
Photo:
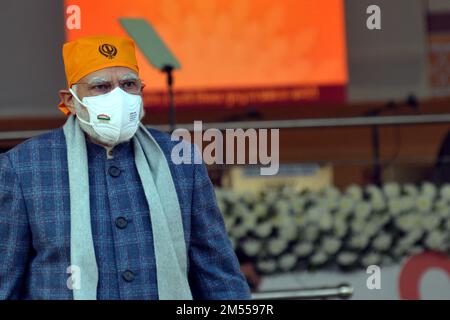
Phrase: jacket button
(114, 172)
(121, 223)
(128, 276)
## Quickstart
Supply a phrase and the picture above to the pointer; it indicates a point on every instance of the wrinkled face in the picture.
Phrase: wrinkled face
(104, 80)
(98, 83)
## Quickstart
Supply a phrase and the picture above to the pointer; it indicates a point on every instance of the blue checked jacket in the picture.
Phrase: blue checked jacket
(35, 225)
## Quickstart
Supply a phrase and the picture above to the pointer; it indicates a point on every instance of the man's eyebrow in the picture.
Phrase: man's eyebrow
(129, 76)
(95, 80)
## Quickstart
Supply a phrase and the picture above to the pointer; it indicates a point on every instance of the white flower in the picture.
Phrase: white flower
(346, 258)
(313, 214)
(251, 247)
(383, 219)
(287, 262)
(326, 222)
(395, 206)
(346, 204)
(411, 190)
(240, 210)
(248, 197)
(407, 242)
(371, 259)
(250, 221)
(264, 229)
(267, 266)
(311, 233)
(270, 197)
(301, 221)
(371, 228)
(319, 258)
(407, 203)
(429, 190)
(288, 192)
(431, 222)
(359, 241)
(331, 197)
(442, 208)
(331, 245)
(303, 249)
(329, 203)
(424, 203)
(373, 190)
(357, 225)
(362, 210)
(288, 229)
(238, 231)
(445, 192)
(382, 242)
(378, 202)
(376, 197)
(298, 204)
(260, 210)
(408, 222)
(413, 236)
(355, 192)
(341, 215)
(436, 240)
(332, 193)
(391, 190)
(282, 207)
(340, 228)
(400, 250)
(276, 246)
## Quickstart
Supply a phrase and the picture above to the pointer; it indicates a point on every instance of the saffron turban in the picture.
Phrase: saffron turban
(88, 54)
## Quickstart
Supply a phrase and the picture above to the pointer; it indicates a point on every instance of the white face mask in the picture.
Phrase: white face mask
(114, 116)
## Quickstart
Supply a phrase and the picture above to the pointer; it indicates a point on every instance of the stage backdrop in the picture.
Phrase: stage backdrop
(235, 53)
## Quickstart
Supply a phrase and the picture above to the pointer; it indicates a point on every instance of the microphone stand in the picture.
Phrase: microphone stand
(168, 70)
(375, 139)
(411, 101)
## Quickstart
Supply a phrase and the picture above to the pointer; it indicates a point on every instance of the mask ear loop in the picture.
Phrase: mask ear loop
(76, 97)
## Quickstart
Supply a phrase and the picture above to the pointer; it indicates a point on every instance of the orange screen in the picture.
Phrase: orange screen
(233, 43)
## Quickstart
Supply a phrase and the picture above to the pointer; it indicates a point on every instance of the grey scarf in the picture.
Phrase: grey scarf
(165, 215)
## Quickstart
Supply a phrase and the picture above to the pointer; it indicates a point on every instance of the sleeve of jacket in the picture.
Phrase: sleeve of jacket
(14, 232)
(214, 270)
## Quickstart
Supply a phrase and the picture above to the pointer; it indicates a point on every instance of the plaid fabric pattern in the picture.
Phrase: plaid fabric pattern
(35, 225)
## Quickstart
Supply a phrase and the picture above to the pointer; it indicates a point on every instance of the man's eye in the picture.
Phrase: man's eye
(101, 87)
(129, 84)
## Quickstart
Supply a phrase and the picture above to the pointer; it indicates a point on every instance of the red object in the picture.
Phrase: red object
(415, 268)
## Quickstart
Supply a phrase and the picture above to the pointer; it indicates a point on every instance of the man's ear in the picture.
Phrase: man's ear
(68, 100)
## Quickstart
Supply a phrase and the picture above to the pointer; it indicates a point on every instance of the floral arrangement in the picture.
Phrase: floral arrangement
(285, 230)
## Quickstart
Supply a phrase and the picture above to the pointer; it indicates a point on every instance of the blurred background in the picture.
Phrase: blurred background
(363, 113)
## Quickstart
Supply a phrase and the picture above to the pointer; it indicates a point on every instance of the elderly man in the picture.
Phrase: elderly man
(97, 209)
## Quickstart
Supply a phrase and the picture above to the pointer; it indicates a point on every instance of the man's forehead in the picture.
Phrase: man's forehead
(111, 73)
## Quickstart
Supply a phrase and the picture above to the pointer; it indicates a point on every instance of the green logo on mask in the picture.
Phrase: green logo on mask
(103, 117)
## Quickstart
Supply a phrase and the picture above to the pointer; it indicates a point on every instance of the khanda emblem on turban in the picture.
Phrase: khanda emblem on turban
(108, 50)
